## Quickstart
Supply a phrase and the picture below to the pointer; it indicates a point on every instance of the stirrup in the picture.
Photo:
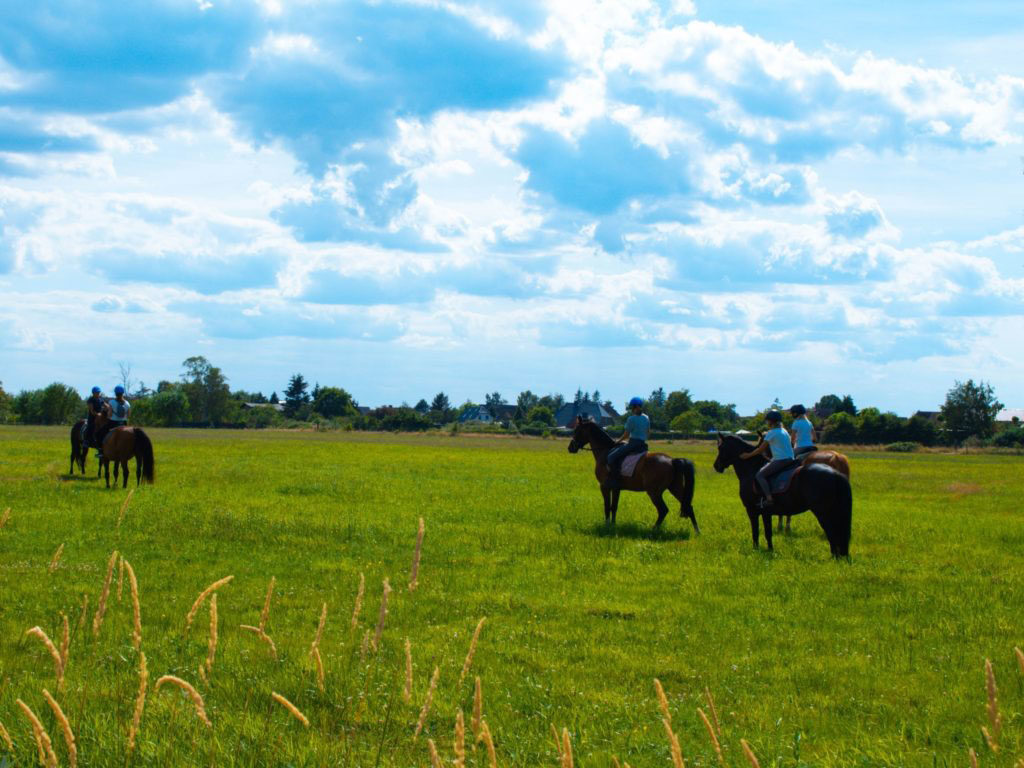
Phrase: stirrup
(765, 503)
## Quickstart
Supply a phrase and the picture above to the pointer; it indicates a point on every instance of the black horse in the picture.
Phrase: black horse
(80, 449)
(654, 474)
(816, 487)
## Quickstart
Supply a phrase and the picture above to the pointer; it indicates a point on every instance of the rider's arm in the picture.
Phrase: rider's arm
(756, 452)
(625, 436)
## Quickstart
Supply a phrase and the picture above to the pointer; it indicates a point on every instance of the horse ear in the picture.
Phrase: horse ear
(720, 438)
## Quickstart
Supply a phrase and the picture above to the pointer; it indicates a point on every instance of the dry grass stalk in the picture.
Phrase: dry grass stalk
(193, 694)
(973, 757)
(459, 745)
(318, 661)
(124, 506)
(211, 645)
(673, 741)
(426, 703)
(1020, 658)
(566, 749)
(995, 721)
(364, 647)
(6, 737)
(472, 650)
(140, 702)
(5, 517)
(558, 742)
(120, 577)
(662, 700)
(101, 608)
(407, 691)
(615, 762)
(85, 612)
(358, 607)
(262, 636)
(265, 613)
(478, 710)
(58, 662)
(133, 587)
(65, 641)
(749, 753)
(291, 708)
(202, 596)
(319, 630)
(55, 560)
(714, 711)
(414, 576)
(65, 727)
(47, 756)
(485, 735)
(714, 738)
(435, 759)
(383, 614)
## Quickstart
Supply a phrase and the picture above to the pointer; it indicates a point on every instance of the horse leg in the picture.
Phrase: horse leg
(124, 472)
(607, 494)
(788, 519)
(660, 505)
(106, 471)
(754, 530)
(766, 515)
(615, 503)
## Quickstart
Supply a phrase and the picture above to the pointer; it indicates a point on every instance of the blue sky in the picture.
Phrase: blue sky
(744, 198)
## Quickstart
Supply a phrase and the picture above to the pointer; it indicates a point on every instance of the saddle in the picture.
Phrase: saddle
(781, 480)
(629, 464)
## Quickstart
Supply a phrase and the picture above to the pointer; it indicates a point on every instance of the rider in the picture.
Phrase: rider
(803, 431)
(120, 409)
(634, 440)
(95, 405)
(781, 445)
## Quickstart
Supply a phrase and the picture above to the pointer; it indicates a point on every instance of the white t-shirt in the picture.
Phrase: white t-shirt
(781, 445)
(119, 410)
(804, 431)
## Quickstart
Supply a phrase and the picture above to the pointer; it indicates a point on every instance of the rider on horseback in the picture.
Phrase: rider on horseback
(120, 409)
(95, 404)
(803, 432)
(781, 445)
(634, 440)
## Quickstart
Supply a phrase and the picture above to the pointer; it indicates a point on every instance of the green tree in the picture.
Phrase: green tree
(169, 407)
(207, 390)
(6, 405)
(716, 415)
(840, 427)
(970, 410)
(689, 422)
(334, 402)
(526, 401)
(541, 414)
(492, 401)
(440, 403)
(274, 400)
(295, 396)
(677, 402)
(830, 404)
(60, 404)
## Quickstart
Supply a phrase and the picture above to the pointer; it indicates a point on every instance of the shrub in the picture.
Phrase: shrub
(1012, 437)
(902, 447)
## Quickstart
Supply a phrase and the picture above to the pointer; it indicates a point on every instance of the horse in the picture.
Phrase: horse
(817, 487)
(79, 450)
(121, 444)
(654, 474)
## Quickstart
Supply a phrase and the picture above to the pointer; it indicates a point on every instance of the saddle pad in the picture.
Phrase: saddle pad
(629, 464)
(780, 482)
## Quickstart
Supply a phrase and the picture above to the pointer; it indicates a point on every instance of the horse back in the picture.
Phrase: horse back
(832, 459)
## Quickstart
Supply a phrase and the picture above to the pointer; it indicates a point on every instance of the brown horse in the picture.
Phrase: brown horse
(655, 473)
(121, 444)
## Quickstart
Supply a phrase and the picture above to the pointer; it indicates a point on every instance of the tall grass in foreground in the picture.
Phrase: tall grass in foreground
(344, 705)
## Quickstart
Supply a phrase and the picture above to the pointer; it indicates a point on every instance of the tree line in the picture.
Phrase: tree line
(201, 396)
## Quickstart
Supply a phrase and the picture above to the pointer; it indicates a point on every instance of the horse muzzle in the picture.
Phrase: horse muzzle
(574, 447)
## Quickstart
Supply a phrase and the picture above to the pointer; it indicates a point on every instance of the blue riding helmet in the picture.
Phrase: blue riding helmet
(773, 417)
(798, 410)
(118, 390)
(96, 390)
(635, 401)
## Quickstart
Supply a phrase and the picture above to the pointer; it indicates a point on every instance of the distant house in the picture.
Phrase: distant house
(1010, 415)
(364, 410)
(484, 414)
(927, 415)
(603, 415)
(275, 406)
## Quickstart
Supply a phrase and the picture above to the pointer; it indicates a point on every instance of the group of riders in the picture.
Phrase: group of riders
(784, 446)
(118, 410)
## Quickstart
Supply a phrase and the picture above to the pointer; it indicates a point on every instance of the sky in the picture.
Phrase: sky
(750, 200)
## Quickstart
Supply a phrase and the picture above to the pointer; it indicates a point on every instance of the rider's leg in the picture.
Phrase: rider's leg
(762, 480)
(614, 460)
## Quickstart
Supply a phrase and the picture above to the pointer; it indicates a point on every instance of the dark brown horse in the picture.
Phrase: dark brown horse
(829, 458)
(120, 445)
(655, 473)
(79, 450)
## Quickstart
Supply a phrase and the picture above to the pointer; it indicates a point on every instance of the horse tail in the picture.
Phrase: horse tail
(685, 467)
(144, 453)
(843, 520)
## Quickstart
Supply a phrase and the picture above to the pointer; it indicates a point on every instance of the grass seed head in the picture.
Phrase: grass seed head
(47, 756)
(485, 734)
(714, 738)
(318, 661)
(291, 708)
(714, 711)
(65, 727)
(478, 708)
(262, 636)
(65, 641)
(319, 629)
(120, 577)
(383, 614)
(5, 517)
(84, 613)
(973, 757)
(435, 759)
(673, 742)
(459, 745)
(55, 560)
(1020, 658)
(407, 690)
(414, 575)
(265, 613)
(662, 700)
(995, 721)
(211, 645)
(58, 662)
(472, 650)
(749, 754)
(567, 761)
(101, 608)
(6, 738)
(202, 597)
(193, 694)
(124, 506)
(425, 710)
(358, 606)
(140, 702)
(133, 587)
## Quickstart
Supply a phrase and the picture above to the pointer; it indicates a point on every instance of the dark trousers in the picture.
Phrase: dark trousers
(798, 452)
(618, 454)
(765, 473)
(105, 430)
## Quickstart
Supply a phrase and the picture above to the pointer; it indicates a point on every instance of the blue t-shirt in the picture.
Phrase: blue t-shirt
(804, 431)
(778, 439)
(119, 410)
(638, 426)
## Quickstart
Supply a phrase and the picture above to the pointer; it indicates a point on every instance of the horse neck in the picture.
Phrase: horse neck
(747, 467)
(600, 443)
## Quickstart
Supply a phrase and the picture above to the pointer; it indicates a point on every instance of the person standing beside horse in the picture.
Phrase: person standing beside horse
(634, 440)
(781, 445)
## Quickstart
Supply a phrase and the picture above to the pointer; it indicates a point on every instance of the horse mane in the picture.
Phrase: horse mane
(606, 439)
(738, 439)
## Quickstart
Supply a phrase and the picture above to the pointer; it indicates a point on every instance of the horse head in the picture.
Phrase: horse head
(580, 433)
(729, 449)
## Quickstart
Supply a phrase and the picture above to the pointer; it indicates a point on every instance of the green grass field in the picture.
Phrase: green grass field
(878, 661)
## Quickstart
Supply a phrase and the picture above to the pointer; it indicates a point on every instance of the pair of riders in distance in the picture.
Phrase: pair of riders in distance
(785, 447)
(120, 409)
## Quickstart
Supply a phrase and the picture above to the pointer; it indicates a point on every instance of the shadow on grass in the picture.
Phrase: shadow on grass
(79, 478)
(637, 531)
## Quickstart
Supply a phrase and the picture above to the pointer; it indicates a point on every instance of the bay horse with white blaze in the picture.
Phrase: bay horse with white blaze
(815, 487)
(121, 444)
(654, 474)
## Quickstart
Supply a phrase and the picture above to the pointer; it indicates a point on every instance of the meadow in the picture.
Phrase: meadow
(876, 661)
